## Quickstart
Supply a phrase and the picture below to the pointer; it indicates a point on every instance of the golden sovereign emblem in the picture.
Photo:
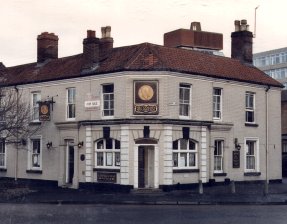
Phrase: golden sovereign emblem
(44, 109)
(145, 92)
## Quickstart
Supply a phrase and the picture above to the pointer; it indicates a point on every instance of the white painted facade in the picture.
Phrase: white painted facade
(164, 129)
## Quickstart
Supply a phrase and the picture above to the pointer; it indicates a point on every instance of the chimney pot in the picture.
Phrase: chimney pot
(106, 42)
(91, 33)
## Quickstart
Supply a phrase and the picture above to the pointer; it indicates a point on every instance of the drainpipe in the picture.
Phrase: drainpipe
(267, 140)
(17, 137)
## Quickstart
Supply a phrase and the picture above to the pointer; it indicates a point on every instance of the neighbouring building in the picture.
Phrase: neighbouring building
(147, 116)
(274, 64)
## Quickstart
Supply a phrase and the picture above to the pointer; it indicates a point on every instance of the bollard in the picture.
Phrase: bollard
(233, 191)
(200, 187)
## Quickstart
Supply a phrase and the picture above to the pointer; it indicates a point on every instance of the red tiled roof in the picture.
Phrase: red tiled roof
(141, 57)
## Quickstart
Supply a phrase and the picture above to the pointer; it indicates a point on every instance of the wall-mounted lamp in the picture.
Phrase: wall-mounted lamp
(80, 144)
(49, 145)
(237, 145)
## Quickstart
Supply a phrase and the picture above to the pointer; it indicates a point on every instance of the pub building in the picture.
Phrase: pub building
(146, 115)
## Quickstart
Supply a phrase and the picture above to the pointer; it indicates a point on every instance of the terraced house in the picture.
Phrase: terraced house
(147, 116)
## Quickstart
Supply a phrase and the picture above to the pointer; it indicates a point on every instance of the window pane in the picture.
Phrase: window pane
(192, 159)
(109, 158)
(108, 88)
(117, 144)
(100, 144)
(183, 160)
(175, 145)
(117, 159)
(175, 159)
(100, 158)
(191, 145)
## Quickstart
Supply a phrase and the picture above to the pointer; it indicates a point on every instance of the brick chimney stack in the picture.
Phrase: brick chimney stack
(106, 42)
(47, 46)
(241, 42)
(91, 48)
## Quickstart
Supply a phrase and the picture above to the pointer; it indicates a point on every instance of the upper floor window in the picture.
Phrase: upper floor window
(217, 103)
(184, 100)
(71, 103)
(2, 154)
(108, 100)
(34, 154)
(251, 154)
(36, 97)
(184, 154)
(218, 156)
(249, 107)
(107, 153)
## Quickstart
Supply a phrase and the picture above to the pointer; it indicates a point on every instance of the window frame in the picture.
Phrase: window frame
(184, 86)
(114, 152)
(110, 108)
(31, 153)
(3, 153)
(35, 106)
(255, 155)
(186, 151)
(73, 90)
(214, 110)
(220, 156)
(248, 108)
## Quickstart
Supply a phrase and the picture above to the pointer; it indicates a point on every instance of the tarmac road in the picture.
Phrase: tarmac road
(131, 214)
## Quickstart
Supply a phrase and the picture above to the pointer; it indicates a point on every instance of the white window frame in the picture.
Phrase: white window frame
(110, 101)
(105, 152)
(35, 99)
(217, 101)
(184, 102)
(255, 155)
(31, 153)
(176, 153)
(218, 157)
(73, 102)
(3, 153)
(248, 107)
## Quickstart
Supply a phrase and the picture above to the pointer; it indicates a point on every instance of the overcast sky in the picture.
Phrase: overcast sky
(132, 22)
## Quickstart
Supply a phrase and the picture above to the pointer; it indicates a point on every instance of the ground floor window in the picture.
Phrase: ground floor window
(184, 154)
(251, 154)
(35, 153)
(218, 156)
(107, 153)
(2, 154)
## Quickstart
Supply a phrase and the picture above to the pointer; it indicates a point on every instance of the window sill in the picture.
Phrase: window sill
(115, 170)
(219, 174)
(34, 171)
(252, 173)
(251, 125)
(185, 171)
(3, 169)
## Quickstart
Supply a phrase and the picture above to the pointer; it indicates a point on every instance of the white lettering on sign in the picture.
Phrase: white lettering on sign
(92, 104)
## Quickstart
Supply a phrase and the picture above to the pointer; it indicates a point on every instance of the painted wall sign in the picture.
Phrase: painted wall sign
(92, 102)
(236, 159)
(104, 177)
(146, 98)
(44, 111)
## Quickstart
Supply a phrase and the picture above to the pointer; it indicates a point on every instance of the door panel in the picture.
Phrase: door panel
(141, 167)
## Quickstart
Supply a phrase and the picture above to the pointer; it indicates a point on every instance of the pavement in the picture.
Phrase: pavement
(239, 193)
